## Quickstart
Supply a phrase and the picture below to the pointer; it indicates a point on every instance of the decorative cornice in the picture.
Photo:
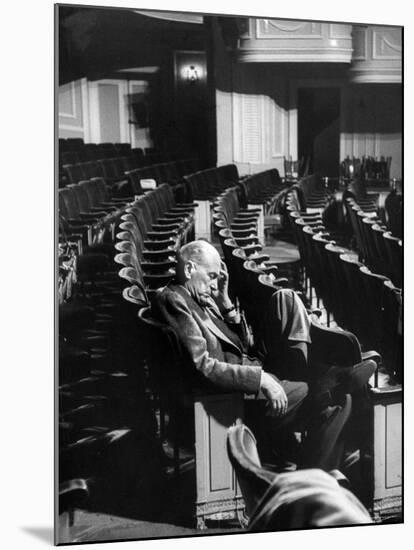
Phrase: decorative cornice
(332, 55)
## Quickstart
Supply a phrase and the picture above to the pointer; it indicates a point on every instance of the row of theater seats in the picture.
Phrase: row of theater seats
(253, 277)
(112, 169)
(263, 188)
(88, 211)
(74, 150)
(71, 153)
(116, 171)
(206, 185)
(106, 412)
(167, 172)
(152, 230)
(368, 168)
(378, 248)
(360, 300)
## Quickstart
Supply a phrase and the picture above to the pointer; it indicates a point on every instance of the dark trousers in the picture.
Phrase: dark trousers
(323, 443)
(288, 335)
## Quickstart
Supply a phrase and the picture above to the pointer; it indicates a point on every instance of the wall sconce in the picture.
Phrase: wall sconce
(190, 68)
(192, 74)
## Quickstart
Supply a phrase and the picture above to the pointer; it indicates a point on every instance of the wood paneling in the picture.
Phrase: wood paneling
(277, 40)
(377, 56)
(218, 494)
(70, 110)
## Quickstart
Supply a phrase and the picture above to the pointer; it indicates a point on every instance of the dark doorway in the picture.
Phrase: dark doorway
(318, 129)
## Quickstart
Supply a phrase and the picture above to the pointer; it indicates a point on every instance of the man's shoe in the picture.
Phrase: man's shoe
(338, 381)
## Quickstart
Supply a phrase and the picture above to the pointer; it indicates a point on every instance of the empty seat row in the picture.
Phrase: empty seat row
(112, 169)
(75, 150)
(378, 248)
(87, 208)
(368, 168)
(359, 300)
(166, 172)
(262, 187)
(209, 183)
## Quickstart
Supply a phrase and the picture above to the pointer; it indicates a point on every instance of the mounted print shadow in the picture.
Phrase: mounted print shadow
(229, 274)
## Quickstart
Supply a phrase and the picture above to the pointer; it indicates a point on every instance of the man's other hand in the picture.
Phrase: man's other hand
(275, 394)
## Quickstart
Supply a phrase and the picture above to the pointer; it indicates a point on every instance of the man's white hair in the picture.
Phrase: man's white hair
(196, 251)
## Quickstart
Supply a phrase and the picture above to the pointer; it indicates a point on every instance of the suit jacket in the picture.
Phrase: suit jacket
(214, 351)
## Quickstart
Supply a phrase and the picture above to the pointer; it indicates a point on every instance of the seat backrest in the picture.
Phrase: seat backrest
(134, 178)
(129, 226)
(165, 359)
(81, 196)
(130, 274)
(108, 169)
(138, 153)
(136, 294)
(93, 192)
(90, 169)
(68, 157)
(333, 346)
(374, 325)
(129, 246)
(333, 253)
(74, 172)
(229, 173)
(101, 188)
(68, 197)
(393, 248)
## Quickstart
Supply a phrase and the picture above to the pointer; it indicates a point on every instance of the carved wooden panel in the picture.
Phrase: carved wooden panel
(377, 55)
(393, 455)
(290, 30)
(284, 40)
(216, 479)
(387, 450)
(338, 30)
(387, 44)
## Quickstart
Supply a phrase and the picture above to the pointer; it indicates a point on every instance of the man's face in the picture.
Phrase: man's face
(203, 278)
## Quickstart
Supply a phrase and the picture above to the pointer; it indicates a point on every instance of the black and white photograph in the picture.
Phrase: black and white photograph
(229, 274)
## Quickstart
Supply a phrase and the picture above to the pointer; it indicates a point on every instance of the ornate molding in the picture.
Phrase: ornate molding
(373, 76)
(298, 54)
(286, 31)
(382, 58)
(386, 506)
(231, 508)
(70, 127)
(382, 40)
(296, 41)
(338, 36)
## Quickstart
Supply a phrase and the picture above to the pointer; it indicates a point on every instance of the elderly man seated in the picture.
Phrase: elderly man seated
(197, 306)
